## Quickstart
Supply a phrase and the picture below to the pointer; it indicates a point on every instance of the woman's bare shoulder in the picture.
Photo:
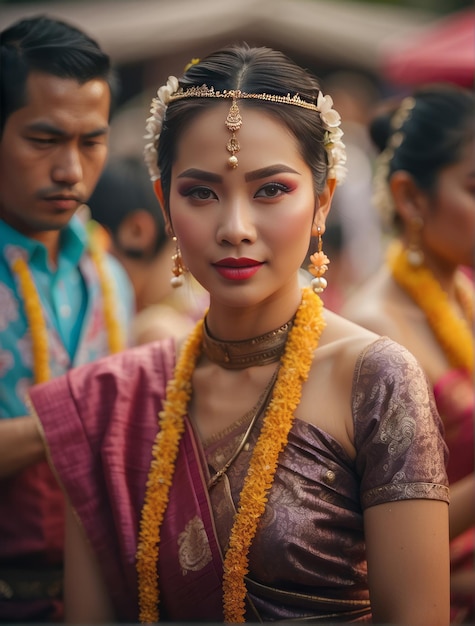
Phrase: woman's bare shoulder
(343, 336)
(341, 345)
(346, 343)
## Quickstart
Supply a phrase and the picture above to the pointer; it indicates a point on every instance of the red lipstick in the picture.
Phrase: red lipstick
(237, 269)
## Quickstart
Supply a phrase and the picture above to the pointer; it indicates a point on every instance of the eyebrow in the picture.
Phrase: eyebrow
(272, 170)
(49, 129)
(264, 172)
(201, 175)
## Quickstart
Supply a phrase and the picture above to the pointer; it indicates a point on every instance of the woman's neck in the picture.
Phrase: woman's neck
(230, 322)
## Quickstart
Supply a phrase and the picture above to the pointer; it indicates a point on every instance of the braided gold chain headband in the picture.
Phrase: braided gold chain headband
(171, 92)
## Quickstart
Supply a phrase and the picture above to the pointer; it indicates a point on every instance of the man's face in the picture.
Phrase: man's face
(52, 152)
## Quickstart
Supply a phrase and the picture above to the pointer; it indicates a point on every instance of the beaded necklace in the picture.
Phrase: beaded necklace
(452, 332)
(36, 320)
(278, 419)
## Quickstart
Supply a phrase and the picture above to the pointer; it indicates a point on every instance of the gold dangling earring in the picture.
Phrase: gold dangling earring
(318, 266)
(178, 268)
(414, 254)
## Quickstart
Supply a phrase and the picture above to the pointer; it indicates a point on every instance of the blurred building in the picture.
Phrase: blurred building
(150, 39)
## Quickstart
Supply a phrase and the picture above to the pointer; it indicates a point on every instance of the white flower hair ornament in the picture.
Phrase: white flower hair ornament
(154, 123)
(170, 92)
(333, 133)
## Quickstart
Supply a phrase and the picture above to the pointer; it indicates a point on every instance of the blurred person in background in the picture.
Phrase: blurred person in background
(423, 295)
(125, 204)
(58, 304)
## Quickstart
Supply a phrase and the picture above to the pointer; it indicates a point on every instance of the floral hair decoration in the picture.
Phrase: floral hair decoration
(171, 92)
(382, 198)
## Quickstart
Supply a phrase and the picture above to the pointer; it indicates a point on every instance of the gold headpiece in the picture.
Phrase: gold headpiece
(170, 93)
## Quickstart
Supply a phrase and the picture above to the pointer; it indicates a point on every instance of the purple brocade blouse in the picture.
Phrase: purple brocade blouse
(308, 557)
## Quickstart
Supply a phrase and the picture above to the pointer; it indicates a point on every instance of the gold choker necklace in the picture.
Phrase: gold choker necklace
(235, 355)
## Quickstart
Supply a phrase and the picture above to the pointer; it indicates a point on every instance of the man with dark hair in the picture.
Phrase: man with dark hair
(57, 289)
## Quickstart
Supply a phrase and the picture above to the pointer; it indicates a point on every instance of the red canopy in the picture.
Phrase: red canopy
(443, 51)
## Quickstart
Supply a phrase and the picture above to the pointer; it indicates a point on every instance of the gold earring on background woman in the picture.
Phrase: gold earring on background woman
(415, 256)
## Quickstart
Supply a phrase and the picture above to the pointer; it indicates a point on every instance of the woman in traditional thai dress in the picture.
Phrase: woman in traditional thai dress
(282, 463)
(423, 297)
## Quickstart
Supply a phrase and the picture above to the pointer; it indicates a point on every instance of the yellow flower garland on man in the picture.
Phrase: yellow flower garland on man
(36, 321)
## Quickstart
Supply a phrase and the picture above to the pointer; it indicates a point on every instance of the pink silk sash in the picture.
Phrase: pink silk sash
(99, 422)
(190, 564)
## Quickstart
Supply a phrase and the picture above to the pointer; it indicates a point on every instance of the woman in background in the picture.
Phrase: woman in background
(423, 296)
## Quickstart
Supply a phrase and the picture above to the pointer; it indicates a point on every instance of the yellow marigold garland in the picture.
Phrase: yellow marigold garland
(160, 476)
(451, 331)
(37, 323)
(295, 366)
(296, 362)
(114, 330)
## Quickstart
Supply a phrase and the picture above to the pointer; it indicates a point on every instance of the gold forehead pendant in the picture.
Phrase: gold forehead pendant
(233, 123)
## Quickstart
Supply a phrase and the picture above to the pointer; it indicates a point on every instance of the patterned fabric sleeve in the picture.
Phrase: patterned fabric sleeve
(401, 453)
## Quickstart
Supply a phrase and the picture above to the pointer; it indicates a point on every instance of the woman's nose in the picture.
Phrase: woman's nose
(236, 224)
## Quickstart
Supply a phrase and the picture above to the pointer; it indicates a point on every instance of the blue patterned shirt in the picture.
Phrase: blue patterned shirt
(71, 302)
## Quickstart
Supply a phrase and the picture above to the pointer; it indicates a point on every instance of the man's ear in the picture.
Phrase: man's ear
(322, 209)
(409, 200)
(137, 232)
